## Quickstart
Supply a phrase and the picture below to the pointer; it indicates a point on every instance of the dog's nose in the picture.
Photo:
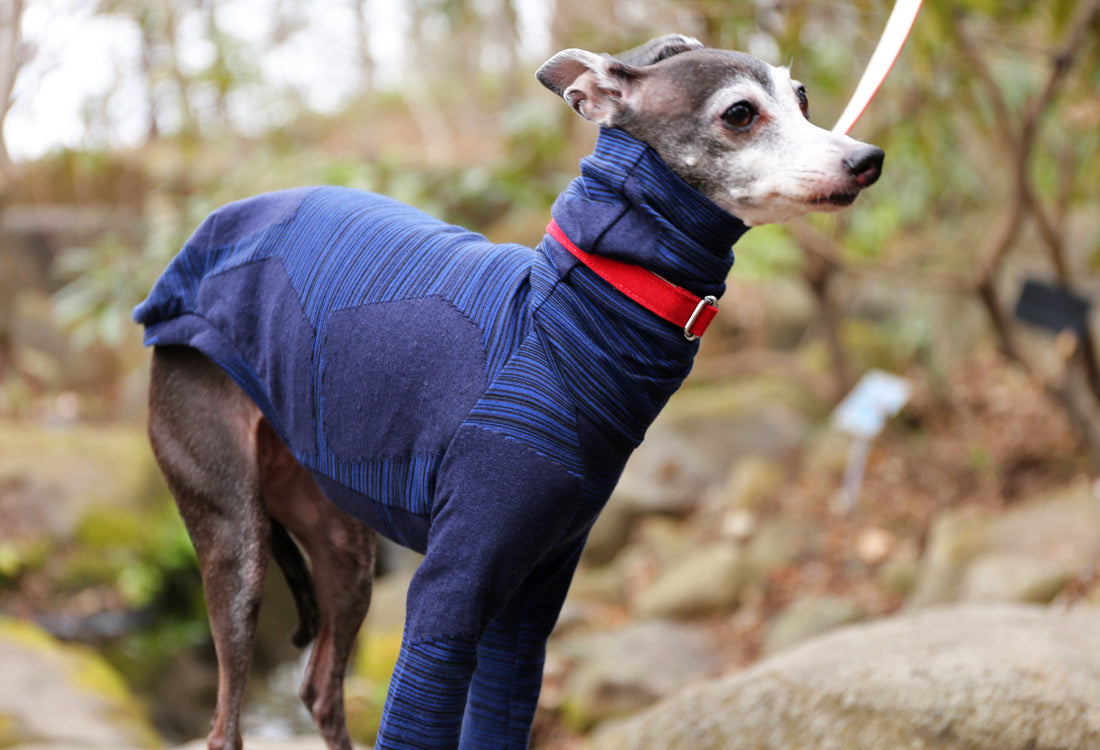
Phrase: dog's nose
(865, 164)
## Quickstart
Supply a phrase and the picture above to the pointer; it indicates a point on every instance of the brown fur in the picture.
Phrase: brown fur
(240, 491)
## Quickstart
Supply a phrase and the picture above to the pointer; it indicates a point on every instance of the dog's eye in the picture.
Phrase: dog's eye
(803, 101)
(740, 115)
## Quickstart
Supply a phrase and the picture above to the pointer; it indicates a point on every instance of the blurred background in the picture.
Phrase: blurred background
(124, 122)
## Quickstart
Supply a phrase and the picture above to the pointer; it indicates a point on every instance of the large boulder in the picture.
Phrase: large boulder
(620, 672)
(979, 677)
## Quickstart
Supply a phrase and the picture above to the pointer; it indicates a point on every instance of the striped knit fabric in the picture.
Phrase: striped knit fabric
(473, 401)
(428, 695)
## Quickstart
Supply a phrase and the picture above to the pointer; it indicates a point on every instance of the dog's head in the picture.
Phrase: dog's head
(732, 126)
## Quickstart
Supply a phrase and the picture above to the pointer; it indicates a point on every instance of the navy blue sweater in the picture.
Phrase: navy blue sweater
(473, 401)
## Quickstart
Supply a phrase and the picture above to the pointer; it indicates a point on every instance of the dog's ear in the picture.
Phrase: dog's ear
(658, 49)
(593, 85)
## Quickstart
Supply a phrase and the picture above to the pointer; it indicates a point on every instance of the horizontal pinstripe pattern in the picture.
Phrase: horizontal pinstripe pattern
(427, 695)
(567, 378)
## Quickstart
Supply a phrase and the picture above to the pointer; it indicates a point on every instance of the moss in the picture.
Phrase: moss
(19, 555)
(25, 634)
(365, 690)
(363, 703)
(12, 733)
(91, 673)
(103, 529)
(137, 551)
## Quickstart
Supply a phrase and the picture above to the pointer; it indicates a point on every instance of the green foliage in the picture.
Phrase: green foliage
(140, 554)
(101, 279)
(20, 555)
(766, 252)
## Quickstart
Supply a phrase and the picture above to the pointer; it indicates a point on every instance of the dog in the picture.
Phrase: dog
(329, 364)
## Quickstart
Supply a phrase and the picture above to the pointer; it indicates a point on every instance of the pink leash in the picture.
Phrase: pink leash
(886, 53)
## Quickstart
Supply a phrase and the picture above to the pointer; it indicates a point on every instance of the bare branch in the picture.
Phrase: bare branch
(11, 60)
(1073, 395)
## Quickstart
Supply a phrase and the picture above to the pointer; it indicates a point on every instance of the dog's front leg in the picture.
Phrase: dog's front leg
(427, 694)
(487, 688)
(502, 510)
(505, 688)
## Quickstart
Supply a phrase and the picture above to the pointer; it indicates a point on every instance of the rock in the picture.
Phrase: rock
(1040, 544)
(979, 677)
(749, 483)
(702, 431)
(898, 574)
(954, 541)
(661, 539)
(1017, 578)
(387, 602)
(703, 582)
(706, 428)
(780, 542)
(621, 672)
(611, 531)
(594, 585)
(808, 616)
(731, 508)
(57, 695)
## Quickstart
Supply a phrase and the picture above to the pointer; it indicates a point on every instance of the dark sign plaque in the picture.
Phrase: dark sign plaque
(1053, 307)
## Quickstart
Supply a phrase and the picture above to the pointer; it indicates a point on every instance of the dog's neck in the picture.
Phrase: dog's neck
(629, 205)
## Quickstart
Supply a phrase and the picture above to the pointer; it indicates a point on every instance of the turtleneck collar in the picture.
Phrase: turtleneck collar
(629, 205)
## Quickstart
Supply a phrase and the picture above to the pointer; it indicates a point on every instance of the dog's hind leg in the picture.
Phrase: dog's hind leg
(341, 556)
(203, 428)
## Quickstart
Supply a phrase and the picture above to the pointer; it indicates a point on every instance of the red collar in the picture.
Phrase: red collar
(673, 303)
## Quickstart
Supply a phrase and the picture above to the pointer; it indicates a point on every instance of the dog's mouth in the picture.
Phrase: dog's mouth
(839, 199)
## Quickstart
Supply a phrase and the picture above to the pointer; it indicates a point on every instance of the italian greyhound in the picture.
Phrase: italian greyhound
(329, 364)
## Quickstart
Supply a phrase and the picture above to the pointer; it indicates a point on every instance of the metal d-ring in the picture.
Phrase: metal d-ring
(711, 300)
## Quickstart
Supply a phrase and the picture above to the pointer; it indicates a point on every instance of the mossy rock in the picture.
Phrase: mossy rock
(79, 686)
(702, 582)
